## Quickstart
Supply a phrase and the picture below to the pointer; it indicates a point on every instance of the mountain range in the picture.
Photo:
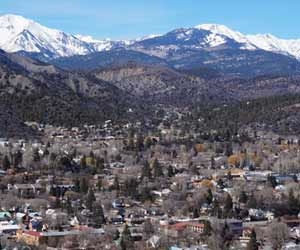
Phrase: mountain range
(20, 34)
(52, 77)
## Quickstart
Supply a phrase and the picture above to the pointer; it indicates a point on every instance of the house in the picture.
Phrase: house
(26, 191)
(5, 216)
(177, 229)
(4, 142)
(257, 214)
(284, 179)
(235, 226)
(34, 238)
(257, 176)
(118, 204)
(136, 233)
(154, 241)
(8, 229)
(2, 173)
(199, 247)
(291, 221)
(236, 173)
(135, 219)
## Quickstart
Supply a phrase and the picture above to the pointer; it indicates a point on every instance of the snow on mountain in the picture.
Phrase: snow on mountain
(18, 33)
(223, 30)
(148, 37)
(271, 43)
(97, 45)
(266, 42)
(105, 44)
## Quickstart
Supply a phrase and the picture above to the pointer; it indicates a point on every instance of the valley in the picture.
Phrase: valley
(184, 140)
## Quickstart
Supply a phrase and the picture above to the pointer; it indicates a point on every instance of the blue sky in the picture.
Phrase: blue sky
(123, 19)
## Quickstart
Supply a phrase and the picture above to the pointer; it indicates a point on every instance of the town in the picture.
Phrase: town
(146, 185)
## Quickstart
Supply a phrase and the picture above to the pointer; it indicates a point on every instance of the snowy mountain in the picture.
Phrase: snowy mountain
(105, 44)
(18, 34)
(266, 42)
(183, 39)
(212, 36)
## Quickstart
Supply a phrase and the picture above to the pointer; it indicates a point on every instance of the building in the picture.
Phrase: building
(177, 229)
(26, 191)
(50, 238)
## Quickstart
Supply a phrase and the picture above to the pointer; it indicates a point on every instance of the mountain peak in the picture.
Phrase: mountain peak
(212, 27)
(14, 23)
(221, 29)
(21, 34)
(14, 18)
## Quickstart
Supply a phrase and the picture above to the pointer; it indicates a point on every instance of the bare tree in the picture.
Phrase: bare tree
(277, 233)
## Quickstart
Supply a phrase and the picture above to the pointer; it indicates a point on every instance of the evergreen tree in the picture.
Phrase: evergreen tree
(229, 175)
(207, 230)
(52, 191)
(90, 199)
(98, 214)
(146, 171)
(83, 162)
(91, 154)
(293, 203)
(243, 198)
(209, 196)
(69, 207)
(122, 244)
(148, 142)
(46, 152)
(216, 209)
(229, 150)
(252, 244)
(295, 178)
(174, 154)
(196, 213)
(52, 158)
(84, 186)
(126, 235)
(212, 162)
(130, 188)
(93, 164)
(252, 202)
(99, 185)
(148, 228)
(77, 185)
(131, 140)
(139, 143)
(145, 194)
(126, 242)
(105, 156)
(272, 181)
(228, 206)
(5, 163)
(100, 165)
(157, 169)
(57, 202)
(221, 183)
(73, 153)
(36, 155)
(226, 236)
(170, 171)
(116, 185)
(18, 158)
